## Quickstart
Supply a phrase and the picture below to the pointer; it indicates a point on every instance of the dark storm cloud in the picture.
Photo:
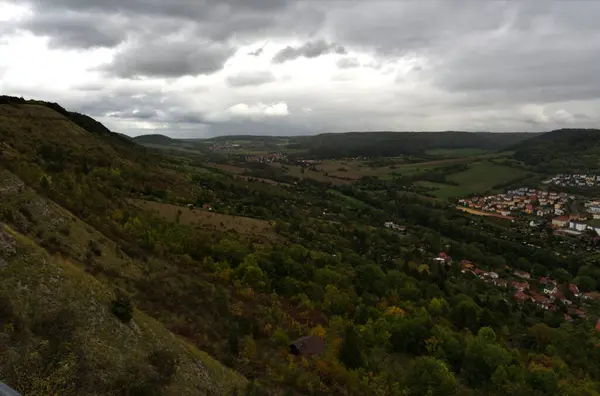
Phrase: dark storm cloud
(311, 49)
(250, 78)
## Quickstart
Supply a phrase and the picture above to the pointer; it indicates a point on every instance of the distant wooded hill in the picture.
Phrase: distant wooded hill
(388, 144)
(154, 139)
(563, 150)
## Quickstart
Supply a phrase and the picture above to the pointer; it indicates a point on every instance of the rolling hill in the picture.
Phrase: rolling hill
(563, 150)
(155, 139)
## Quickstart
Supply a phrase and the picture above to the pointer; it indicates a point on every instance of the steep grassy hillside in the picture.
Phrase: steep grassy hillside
(59, 335)
(563, 150)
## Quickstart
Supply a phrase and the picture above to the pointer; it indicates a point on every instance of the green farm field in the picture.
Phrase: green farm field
(479, 178)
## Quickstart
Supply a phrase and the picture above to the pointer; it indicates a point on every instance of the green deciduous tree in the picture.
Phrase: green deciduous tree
(351, 351)
(429, 376)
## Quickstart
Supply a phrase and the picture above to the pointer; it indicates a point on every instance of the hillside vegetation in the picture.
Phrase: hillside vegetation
(60, 336)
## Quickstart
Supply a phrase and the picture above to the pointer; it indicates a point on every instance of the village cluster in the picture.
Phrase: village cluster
(576, 180)
(521, 201)
(266, 158)
(544, 292)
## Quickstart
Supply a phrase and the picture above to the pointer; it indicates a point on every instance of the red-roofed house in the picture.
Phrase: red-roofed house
(547, 281)
(569, 318)
(521, 296)
(597, 325)
(575, 290)
(520, 286)
(560, 222)
(541, 301)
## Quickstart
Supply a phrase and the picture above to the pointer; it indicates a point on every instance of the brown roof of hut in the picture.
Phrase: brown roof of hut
(309, 345)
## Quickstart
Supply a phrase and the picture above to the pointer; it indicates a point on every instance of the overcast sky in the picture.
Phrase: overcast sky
(196, 68)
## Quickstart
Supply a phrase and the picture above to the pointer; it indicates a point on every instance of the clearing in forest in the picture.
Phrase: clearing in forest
(209, 220)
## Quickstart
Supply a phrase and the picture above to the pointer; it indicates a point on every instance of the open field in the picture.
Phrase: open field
(483, 176)
(479, 178)
(209, 220)
(354, 170)
(296, 171)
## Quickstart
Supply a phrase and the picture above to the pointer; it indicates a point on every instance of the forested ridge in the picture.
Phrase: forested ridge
(562, 151)
(396, 321)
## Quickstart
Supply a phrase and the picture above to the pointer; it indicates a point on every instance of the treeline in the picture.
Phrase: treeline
(390, 144)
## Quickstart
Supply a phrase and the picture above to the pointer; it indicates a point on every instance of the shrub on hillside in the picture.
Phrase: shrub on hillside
(122, 308)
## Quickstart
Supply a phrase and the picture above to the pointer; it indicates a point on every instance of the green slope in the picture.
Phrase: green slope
(60, 337)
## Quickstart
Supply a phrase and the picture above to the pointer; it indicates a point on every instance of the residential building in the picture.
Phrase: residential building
(560, 222)
(520, 286)
(574, 290)
(522, 274)
(550, 290)
(520, 296)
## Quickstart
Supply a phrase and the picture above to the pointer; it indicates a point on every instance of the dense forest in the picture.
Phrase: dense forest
(395, 321)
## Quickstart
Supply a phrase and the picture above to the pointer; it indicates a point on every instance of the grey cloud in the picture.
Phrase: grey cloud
(216, 20)
(168, 58)
(348, 63)
(311, 49)
(257, 52)
(251, 78)
(140, 114)
(77, 30)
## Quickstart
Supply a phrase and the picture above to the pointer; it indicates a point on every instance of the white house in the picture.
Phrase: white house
(578, 226)
(550, 290)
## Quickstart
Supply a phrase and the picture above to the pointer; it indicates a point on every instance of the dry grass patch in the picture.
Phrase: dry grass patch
(209, 220)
